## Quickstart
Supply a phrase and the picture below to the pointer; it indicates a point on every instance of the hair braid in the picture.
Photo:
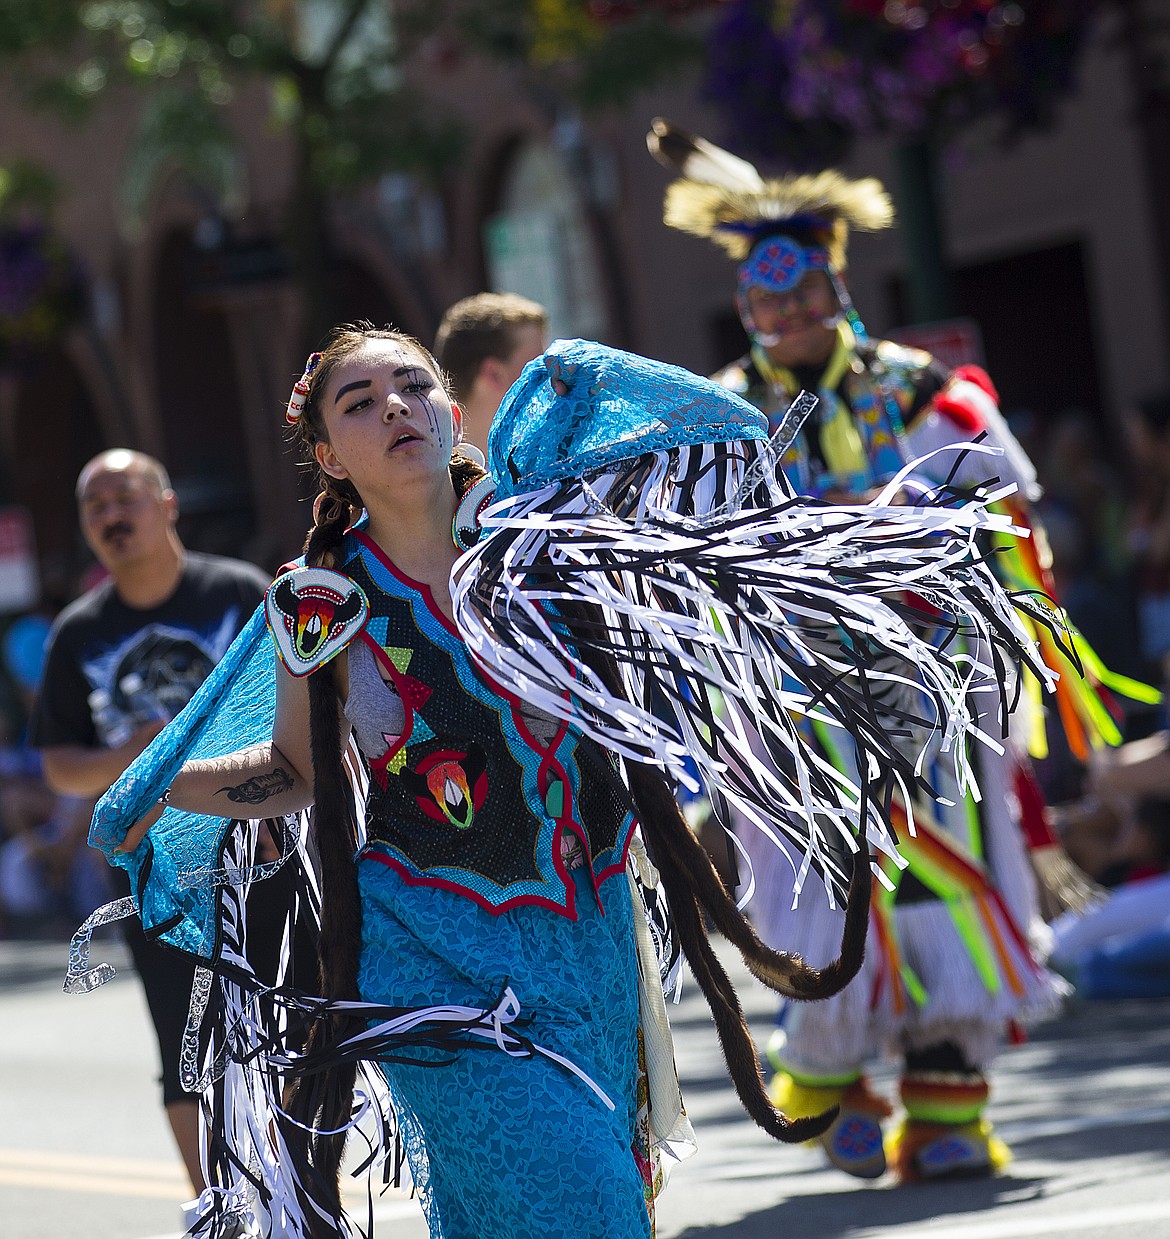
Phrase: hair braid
(693, 886)
(663, 825)
(323, 1101)
(781, 971)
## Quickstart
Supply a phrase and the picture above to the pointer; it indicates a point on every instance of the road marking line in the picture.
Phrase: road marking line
(153, 1179)
(50, 1159)
(102, 1184)
(385, 1212)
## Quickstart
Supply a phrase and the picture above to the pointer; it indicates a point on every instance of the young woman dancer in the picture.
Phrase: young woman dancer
(480, 866)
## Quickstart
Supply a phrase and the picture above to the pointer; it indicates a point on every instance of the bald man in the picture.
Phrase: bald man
(123, 660)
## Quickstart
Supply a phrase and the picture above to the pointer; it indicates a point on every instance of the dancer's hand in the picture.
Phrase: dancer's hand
(137, 832)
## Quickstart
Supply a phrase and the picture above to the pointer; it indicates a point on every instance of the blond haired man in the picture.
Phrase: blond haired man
(483, 343)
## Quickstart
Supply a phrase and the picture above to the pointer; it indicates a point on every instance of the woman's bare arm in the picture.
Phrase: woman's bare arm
(265, 780)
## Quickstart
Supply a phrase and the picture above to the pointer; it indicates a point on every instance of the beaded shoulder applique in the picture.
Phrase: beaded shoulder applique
(313, 614)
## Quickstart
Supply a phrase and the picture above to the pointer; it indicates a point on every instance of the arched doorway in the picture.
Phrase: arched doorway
(538, 243)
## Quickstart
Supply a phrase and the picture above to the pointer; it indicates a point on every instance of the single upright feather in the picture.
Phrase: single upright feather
(700, 160)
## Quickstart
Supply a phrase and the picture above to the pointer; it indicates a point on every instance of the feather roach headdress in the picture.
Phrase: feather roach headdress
(724, 198)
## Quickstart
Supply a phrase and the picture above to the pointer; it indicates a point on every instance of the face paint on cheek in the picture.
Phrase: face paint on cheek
(432, 416)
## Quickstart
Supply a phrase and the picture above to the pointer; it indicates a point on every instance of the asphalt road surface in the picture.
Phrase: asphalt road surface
(1085, 1105)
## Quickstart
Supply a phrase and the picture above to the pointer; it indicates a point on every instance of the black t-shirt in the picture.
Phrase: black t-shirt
(111, 667)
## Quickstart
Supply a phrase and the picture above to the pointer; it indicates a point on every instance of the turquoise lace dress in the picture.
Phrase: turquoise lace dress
(515, 1147)
(644, 479)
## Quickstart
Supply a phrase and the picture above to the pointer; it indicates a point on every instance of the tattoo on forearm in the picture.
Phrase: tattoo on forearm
(259, 789)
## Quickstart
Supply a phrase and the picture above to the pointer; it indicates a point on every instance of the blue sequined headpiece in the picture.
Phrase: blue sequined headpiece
(617, 406)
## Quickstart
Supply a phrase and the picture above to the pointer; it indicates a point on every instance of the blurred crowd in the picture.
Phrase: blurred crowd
(50, 880)
(1106, 512)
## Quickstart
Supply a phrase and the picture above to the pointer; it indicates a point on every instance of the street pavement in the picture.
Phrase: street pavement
(85, 1152)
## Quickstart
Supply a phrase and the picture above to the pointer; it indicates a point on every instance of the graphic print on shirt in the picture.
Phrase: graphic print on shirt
(151, 674)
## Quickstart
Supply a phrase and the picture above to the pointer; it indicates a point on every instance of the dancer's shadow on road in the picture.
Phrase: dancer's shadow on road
(837, 1215)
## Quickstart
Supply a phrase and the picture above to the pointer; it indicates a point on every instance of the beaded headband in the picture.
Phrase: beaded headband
(779, 263)
(300, 391)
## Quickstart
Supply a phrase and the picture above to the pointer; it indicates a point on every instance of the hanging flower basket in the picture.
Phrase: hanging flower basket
(798, 80)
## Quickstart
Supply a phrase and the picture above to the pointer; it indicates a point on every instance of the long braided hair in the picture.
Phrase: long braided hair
(696, 895)
(322, 1102)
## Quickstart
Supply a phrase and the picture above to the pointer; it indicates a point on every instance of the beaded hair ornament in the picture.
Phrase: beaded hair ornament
(300, 391)
(779, 263)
